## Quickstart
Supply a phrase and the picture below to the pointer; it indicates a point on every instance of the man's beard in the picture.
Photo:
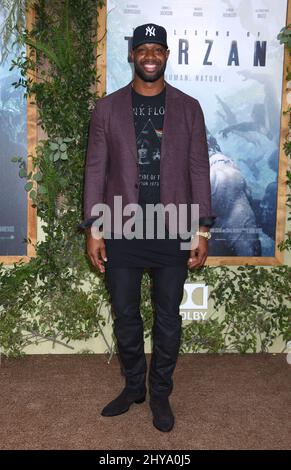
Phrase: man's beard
(146, 78)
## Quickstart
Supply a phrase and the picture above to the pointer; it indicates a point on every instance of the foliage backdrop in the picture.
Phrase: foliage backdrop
(58, 295)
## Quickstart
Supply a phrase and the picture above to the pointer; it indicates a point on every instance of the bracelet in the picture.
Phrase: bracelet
(204, 234)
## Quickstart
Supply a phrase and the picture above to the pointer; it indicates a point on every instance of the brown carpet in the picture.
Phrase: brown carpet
(220, 402)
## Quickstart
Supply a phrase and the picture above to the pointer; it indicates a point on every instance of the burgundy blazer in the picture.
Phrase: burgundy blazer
(112, 163)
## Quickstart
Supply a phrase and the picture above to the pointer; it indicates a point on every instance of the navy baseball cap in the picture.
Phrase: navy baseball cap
(149, 32)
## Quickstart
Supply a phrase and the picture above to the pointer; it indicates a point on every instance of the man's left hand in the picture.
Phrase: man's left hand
(199, 254)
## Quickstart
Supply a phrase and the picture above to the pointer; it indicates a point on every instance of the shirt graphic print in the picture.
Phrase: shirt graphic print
(148, 113)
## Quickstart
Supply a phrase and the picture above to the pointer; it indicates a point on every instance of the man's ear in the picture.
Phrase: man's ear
(168, 53)
(131, 55)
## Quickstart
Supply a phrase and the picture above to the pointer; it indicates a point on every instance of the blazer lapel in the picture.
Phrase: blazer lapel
(169, 121)
(126, 117)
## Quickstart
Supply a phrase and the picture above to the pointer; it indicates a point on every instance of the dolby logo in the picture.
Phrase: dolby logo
(195, 300)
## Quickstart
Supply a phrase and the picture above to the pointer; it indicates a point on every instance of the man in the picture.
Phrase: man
(147, 144)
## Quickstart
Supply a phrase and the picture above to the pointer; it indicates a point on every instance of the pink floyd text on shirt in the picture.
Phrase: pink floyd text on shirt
(148, 114)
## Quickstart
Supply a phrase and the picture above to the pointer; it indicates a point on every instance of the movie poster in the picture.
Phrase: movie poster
(225, 54)
(13, 141)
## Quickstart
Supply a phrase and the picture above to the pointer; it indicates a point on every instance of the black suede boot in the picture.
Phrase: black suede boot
(122, 403)
(163, 418)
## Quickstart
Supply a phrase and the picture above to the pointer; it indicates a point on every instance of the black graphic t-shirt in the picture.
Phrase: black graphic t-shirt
(148, 114)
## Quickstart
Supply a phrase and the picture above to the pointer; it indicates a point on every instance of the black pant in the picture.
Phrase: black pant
(124, 286)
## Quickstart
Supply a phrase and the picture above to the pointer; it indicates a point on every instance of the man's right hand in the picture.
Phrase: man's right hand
(96, 251)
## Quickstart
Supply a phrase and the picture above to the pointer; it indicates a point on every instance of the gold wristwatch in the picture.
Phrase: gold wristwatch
(204, 234)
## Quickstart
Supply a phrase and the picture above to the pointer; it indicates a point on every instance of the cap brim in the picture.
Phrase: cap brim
(150, 42)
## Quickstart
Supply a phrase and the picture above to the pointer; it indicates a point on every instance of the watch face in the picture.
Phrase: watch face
(203, 234)
(207, 235)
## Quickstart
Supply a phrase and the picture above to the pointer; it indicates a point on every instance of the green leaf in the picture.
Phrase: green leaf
(42, 189)
(22, 173)
(56, 156)
(64, 156)
(63, 147)
(37, 177)
(28, 186)
(54, 146)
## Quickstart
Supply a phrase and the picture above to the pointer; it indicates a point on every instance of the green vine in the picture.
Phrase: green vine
(285, 38)
(57, 295)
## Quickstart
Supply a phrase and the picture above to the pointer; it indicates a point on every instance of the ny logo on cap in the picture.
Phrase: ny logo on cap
(150, 31)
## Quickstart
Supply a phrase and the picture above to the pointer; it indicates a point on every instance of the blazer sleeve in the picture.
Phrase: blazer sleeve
(200, 169)
(96, 162)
